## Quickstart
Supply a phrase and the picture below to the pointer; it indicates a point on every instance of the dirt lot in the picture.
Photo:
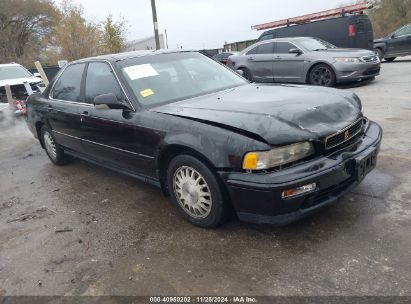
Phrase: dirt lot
(122, 237)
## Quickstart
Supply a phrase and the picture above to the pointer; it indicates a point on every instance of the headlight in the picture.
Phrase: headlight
(277, 156)
(347, 59)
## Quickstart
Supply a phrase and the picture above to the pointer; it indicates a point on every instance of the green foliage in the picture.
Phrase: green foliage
(74, 35)
(33, 30)
(388, 15)
(26, 28)
(113, 35)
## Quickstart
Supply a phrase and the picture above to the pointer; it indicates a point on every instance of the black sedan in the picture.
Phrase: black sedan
(211, 140)
(223, 57)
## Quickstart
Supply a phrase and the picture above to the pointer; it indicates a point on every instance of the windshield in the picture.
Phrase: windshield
(13, 71)
(315, 44)
(171, 77)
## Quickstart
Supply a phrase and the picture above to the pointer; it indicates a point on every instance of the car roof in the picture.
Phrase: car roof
(9, 64)
(133, 54)
(291, 39)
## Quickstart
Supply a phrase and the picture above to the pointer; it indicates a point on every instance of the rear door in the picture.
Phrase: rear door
(287, 67)
(113, 136)
(66, 105)
(260, 62)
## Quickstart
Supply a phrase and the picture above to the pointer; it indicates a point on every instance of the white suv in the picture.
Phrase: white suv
(15, 75)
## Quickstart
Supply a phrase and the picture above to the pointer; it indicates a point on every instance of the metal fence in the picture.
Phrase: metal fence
(238, 46)
(50, 71)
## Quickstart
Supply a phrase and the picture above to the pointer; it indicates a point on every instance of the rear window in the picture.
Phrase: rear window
(265, 48)
(13, 72)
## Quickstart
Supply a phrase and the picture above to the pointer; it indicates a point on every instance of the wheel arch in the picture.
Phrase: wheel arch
(39, 125)
(167, 153)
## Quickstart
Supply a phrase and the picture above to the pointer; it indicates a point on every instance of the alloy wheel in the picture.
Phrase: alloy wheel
(321, 76)
(50, 145)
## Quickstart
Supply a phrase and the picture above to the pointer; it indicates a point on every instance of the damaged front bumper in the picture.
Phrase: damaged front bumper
(257, 197)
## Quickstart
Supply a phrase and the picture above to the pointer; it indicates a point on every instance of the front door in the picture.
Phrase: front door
(113, 136)
(287, 67)
(65, 107)
(260, 62)
(400, 43)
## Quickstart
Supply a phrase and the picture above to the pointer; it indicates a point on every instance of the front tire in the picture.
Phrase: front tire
(322, 75)
(247, 74)
(379, 53)
(195, 191)
(53, 150)
(391, 59)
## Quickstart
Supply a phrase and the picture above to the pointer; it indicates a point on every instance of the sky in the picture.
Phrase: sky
(198, 24)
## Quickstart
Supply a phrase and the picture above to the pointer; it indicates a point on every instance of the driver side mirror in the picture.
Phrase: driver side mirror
(110, 100)
(295, 51)
(393, 36)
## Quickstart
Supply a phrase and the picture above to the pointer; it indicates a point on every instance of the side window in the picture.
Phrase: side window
(68, 86)
(407, 30)
(266, 48)
(404, 31)
(284, 47)
(253, 51)
(100, 80)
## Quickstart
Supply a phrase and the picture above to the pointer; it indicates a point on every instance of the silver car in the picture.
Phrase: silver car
(304, 60)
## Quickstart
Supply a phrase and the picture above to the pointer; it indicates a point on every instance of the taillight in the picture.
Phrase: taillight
(351, 30)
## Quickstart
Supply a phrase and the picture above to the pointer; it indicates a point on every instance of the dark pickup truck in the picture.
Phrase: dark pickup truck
(395, 45)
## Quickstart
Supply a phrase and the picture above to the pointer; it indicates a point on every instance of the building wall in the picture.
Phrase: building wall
(145, 44)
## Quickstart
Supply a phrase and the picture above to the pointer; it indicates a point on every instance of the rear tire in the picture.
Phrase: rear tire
(321, 75)
(391, 59)
(195, 191)
(247, 74)
(53, 150)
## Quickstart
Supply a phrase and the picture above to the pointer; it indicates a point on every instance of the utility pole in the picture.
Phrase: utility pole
(153, 8)
(165, 31)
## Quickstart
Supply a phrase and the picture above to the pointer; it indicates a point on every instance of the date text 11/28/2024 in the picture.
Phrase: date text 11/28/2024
(204, 299)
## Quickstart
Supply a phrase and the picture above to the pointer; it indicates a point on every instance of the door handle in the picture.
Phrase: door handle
(250, 58)
(49, 108)
(277, 57)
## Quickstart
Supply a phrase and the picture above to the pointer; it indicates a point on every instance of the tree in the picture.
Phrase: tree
(113, 35)
(74, 35)
(388, 15)
(26, 27)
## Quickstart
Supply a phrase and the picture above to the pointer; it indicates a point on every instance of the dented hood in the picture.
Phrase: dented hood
(279, 114)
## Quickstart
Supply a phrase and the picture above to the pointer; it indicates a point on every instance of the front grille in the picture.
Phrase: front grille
(371, 72)
(344, 135)
(370, 59)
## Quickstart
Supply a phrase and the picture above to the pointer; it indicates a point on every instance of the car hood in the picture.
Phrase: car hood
(277, 114)
(19, 81)
(347, 52)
